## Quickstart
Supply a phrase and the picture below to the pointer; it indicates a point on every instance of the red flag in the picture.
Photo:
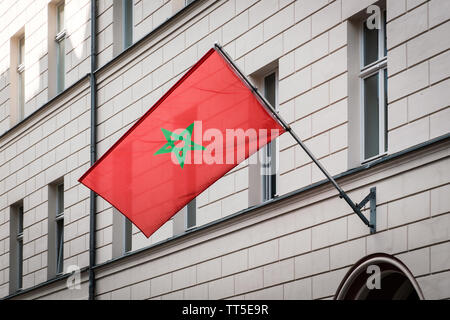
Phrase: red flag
(207, 123)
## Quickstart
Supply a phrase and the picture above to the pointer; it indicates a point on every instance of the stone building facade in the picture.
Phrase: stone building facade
(331, 72)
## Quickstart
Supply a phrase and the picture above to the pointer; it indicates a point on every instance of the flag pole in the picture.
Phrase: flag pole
(342, 194)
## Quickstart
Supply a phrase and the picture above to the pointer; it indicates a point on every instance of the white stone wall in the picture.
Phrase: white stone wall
(55, 145)
(32, 17)
(303, 253)
(104, 31)
(50, 146)
(147, 15)
(78, 43)
(303, 248)
(418, 100)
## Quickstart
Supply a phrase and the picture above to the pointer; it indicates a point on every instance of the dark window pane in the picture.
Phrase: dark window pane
(370, 45)
(20, 224)
(21, 50)
(191, 214)
(128, 235)
(21, 95)
(59, 245)
(268, 176)
(371, 117)
(269, 165)
(384, 35)
(127, 23)
(19, 256)
(60, 18)
(19, 263)
(269, 89)
(60, 62)
(60, 201)
(385, 109)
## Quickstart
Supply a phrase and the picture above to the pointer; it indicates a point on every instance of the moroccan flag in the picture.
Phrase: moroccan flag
(207, 123)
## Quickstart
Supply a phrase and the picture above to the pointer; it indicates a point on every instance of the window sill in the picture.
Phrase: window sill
(378, 156)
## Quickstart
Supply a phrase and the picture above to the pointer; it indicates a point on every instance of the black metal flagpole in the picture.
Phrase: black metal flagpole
(342, 194)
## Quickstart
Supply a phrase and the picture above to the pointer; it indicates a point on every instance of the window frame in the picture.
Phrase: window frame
(59, 232)
(365, 71)
(191, 212)
(127, 24)
(19, 240)
(21, 78)
(60, 46)
(127, 235)
(272, 144)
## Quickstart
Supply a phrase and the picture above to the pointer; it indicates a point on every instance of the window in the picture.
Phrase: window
(123, 25)
(128, 235)
(16, 247)
(191, 220)
(269, 152)
(263, 166)
(60, 48)
(55, 229)
(21, 78)
(20, 246)
(185, 219)
(127, 29)
(59, 228)
(122, 234)
(373, 75)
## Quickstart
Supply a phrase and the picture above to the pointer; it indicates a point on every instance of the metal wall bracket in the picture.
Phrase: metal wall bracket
(372, 197)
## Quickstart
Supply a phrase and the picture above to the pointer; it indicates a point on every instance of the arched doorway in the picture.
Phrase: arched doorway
(379, 277)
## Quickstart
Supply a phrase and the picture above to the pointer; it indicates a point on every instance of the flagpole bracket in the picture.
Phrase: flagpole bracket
(372, 199)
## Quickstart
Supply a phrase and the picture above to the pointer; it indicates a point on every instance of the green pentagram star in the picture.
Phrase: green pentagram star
(173, 139)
